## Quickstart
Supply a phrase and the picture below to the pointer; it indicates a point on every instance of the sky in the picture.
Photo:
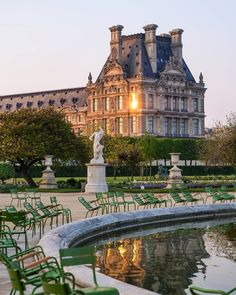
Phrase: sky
(54, 44)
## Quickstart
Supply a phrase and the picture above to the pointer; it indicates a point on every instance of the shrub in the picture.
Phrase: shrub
(6, 187)
(6, 171)
(71, 182)
(61, 183)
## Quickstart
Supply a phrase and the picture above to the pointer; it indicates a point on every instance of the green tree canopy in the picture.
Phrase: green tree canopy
(220, 147)
(27, 135)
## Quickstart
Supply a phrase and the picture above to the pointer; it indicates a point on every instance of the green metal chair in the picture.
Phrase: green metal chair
(47, 213)
(153, 200)
(19, 220)
(58, 287)
(6, 240)
(102, 200)
(128, 201)
(19, 197)
(59, 208)
(85, 255)
(189, 198)
(90, 207)
(177, 198)
(31, 263)
(19, 284)
(36, 217)
(111, 201)
(140, 202)
(201, 291)
(33, 194)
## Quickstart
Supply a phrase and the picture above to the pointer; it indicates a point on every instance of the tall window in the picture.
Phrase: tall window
(182, 127)
(166, 103)
(120, 103)
(133, 124)
(106, 103)
(119, 125)
(95, 105)
(106, 125)
(183, 104)
(195, 105)
(174, 126)
(174, 103)
(167, 126)
(150, 124)
(195, 127)
(150, 101)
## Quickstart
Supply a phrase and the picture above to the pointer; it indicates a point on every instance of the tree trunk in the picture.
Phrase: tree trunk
(132, 173)
(114, 172)
(25, 174)
(150, 171)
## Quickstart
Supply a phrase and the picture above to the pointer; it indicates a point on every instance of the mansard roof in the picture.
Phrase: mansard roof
(76, 97)
(135, 58)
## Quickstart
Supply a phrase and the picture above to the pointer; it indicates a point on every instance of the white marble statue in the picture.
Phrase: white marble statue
(97, 147)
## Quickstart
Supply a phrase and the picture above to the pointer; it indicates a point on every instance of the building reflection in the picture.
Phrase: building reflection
(164, 262)
(223, 241)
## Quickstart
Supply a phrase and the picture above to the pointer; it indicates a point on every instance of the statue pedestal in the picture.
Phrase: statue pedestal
(96, 178)
(175, 176)
(48, 179)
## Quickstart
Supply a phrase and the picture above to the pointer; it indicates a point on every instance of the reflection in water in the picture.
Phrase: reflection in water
(166, 262)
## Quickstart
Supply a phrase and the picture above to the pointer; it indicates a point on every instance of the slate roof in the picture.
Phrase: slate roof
(135, 58)
(57, 98)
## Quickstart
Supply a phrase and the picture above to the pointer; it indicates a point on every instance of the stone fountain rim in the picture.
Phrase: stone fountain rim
(83, 231)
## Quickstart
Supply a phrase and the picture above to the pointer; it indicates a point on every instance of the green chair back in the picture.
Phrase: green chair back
(79, 256)
(28, 206)
(85, 203)
(53, 200)
(41, 206)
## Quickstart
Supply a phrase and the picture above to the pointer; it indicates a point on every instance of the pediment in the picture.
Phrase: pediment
(173, 72)
(114, 71)
(173, 68)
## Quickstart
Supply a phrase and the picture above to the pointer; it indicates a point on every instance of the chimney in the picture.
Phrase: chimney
(116, 43)
(151, 45)
(176, 44)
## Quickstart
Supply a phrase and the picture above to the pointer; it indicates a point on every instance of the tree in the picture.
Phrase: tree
(131, 156)
(220, 147)
(113, 147)
(27, 135)
(148, 145)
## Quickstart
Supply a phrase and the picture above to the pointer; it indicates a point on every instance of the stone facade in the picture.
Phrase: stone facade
(144, 86)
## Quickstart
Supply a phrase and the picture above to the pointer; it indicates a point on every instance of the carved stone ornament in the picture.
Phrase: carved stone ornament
(173, 66)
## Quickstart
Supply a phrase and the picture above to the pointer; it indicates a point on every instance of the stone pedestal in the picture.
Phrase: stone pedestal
(48, 178)
(175, 175)
(96, 178)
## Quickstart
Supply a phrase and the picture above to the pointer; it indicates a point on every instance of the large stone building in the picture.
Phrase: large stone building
(144, 86)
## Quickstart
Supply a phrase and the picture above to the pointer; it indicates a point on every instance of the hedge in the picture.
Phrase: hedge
(81, 171)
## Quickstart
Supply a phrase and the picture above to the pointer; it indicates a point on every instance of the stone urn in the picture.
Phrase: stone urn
(175, 173)
(48, 178)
